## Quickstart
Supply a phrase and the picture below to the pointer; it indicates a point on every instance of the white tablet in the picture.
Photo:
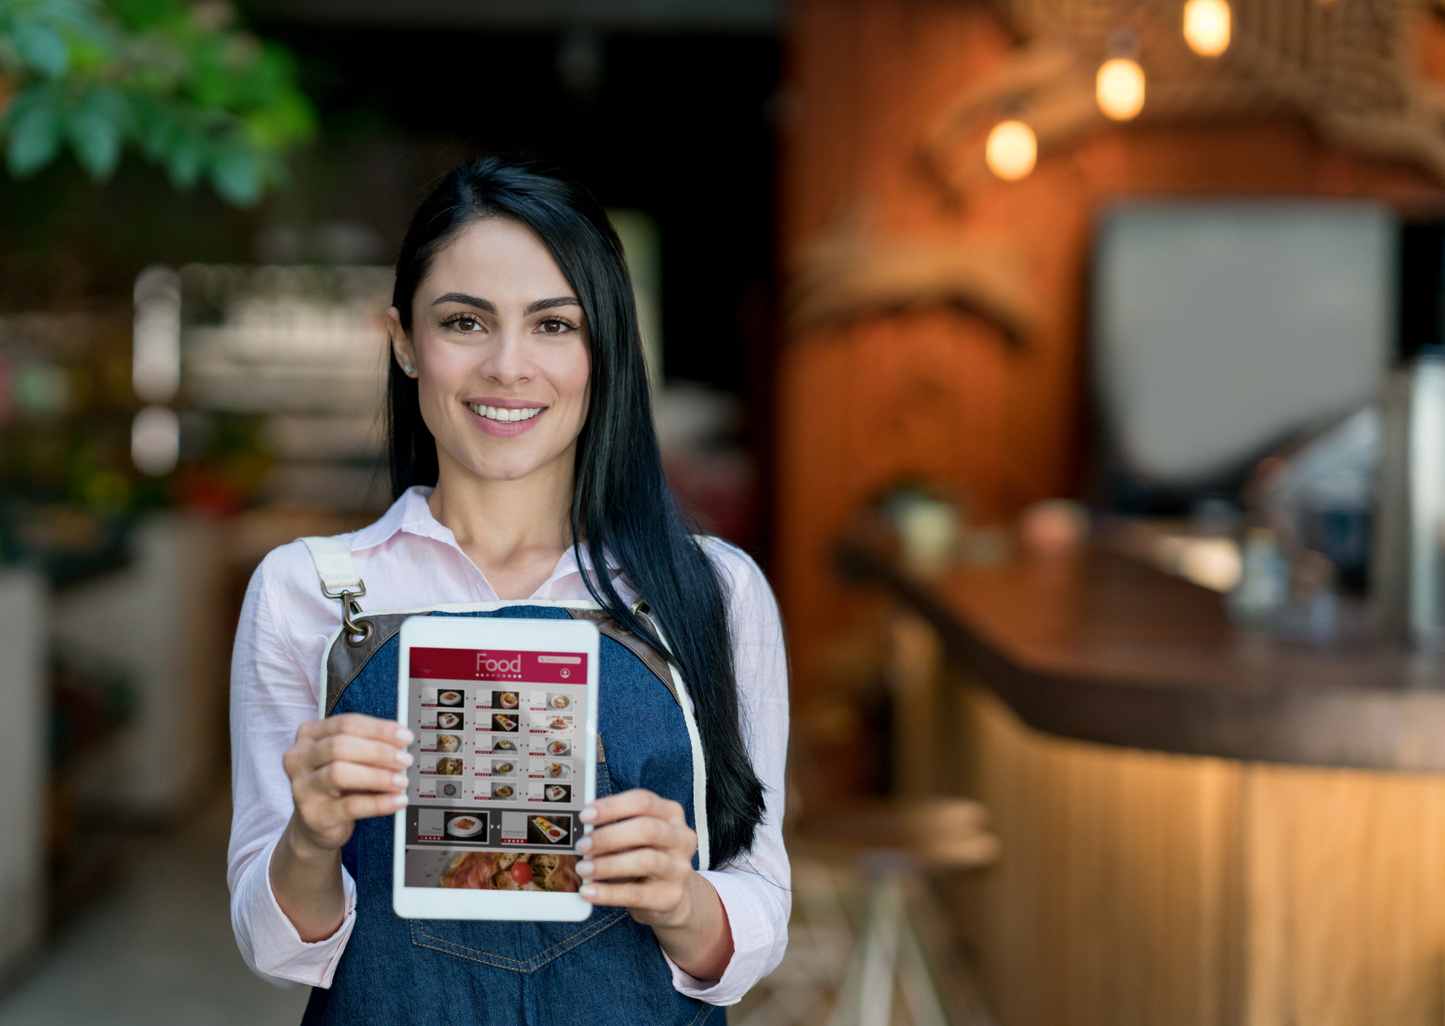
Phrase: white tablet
(505, 717)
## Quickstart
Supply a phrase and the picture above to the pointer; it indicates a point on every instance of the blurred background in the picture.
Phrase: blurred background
(1074, 369)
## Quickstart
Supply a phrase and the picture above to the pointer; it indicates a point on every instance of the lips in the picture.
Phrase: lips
(505, 418)
(503, 414)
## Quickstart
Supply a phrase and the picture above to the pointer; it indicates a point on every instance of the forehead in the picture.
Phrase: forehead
(496, 259)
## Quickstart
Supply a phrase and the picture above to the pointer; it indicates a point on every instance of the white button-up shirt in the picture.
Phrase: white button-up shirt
(408, 560)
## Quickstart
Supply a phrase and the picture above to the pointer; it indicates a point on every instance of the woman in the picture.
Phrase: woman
(525, 467)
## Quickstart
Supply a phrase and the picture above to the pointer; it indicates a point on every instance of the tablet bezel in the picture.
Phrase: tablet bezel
(482, 633)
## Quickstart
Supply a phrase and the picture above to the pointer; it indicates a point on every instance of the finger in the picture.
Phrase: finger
(636, 802)
(625, 895)
(364, 806)
(359, 725)
(351, 748)
(342, 777)
(639, 832)
(323, 814)
(638, 864)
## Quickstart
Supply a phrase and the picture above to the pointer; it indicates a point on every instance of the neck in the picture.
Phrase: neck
(514, 531)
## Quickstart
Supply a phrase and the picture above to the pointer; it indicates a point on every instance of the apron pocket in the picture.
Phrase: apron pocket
(518, 947)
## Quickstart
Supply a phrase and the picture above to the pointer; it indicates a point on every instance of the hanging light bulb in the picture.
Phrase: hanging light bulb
(1120, 88)
(1206, 26)
(1011, 150)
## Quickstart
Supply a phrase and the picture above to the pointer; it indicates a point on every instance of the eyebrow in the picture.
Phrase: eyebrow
(490, 307)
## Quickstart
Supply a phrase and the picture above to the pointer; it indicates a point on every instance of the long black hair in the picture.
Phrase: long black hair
(622, 504)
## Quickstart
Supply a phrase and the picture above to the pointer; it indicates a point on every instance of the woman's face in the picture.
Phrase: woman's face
(500, 351)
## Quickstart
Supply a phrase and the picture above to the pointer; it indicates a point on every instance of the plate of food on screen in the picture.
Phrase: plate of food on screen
(448, 743)
(559, 747)
(512, 871)
(465, 826)
(449, 698)
(449, 767)
(501, 722)
(551, 833)
(504, 744)
(557, 771)
(505, 699)
(449, 720)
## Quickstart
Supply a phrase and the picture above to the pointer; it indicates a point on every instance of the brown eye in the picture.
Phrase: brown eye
(465, 322)
(552, 327)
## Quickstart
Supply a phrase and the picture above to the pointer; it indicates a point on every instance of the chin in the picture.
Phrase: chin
(504, 470)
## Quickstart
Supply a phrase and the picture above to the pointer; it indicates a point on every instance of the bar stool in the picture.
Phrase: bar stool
(892, 846)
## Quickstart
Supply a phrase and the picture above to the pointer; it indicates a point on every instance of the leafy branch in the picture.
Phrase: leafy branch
(173, 80)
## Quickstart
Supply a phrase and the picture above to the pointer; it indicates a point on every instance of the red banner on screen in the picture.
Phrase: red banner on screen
(495, 664)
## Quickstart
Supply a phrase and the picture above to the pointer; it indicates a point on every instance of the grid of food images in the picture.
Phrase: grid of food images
(499, 773)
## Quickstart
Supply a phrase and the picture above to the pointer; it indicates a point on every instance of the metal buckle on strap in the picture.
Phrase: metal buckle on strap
(356, 632)
(357, 590)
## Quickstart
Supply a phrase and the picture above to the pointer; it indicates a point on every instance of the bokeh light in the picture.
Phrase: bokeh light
(1207, 26)
(1011, 150)
(1120, 88)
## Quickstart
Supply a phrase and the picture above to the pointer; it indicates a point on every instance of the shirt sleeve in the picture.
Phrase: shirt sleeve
(271, 695)
(756, 888)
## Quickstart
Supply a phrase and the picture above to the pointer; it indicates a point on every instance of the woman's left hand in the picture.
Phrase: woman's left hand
(639, 856)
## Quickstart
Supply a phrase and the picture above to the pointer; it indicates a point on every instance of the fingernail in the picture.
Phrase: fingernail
(404, 758)
(585, 868)
(587, 891)
(584, 845)
(399, 779)
(405, 736)
(398, 800)
(587, 815)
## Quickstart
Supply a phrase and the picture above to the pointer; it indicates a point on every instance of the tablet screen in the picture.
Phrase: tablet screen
(499, 774)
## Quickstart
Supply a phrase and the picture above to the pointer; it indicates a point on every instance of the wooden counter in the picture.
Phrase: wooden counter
(1103, 648)
(1217, 887)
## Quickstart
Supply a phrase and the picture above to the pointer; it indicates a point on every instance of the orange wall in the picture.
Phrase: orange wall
(935, 393)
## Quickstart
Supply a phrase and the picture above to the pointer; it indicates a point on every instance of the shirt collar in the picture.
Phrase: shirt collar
(410, 514)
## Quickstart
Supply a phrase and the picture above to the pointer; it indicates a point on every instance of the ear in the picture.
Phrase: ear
(401, 346)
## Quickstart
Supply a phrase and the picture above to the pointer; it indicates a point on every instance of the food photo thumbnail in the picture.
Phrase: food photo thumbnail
(512, 871)
(549, 829)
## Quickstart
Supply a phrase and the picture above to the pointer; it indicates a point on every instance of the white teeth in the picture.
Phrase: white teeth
(503, 415)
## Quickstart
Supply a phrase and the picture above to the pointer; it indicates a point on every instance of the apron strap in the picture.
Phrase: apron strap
(334, 566)
(340, 580)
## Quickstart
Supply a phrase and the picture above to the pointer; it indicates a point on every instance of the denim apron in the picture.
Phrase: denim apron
(605, 971)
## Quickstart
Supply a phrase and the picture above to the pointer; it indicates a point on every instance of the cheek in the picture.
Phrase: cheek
(442, 373)
(574, 377)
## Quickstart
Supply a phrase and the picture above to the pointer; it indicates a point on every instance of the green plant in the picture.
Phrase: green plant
(175, 81)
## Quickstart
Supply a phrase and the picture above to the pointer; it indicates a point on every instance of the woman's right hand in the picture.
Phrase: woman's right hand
(342, 769)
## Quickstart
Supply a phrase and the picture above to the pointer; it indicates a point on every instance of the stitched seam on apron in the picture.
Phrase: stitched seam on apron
(702, 1013)
(516, 964)
(378, 642)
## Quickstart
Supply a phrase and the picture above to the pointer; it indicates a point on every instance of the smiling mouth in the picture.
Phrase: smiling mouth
(502, 415)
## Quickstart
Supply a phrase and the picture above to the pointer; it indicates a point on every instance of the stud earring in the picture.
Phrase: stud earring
(407, 369)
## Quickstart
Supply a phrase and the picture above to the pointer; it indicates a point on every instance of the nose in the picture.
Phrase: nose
(506, 361)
